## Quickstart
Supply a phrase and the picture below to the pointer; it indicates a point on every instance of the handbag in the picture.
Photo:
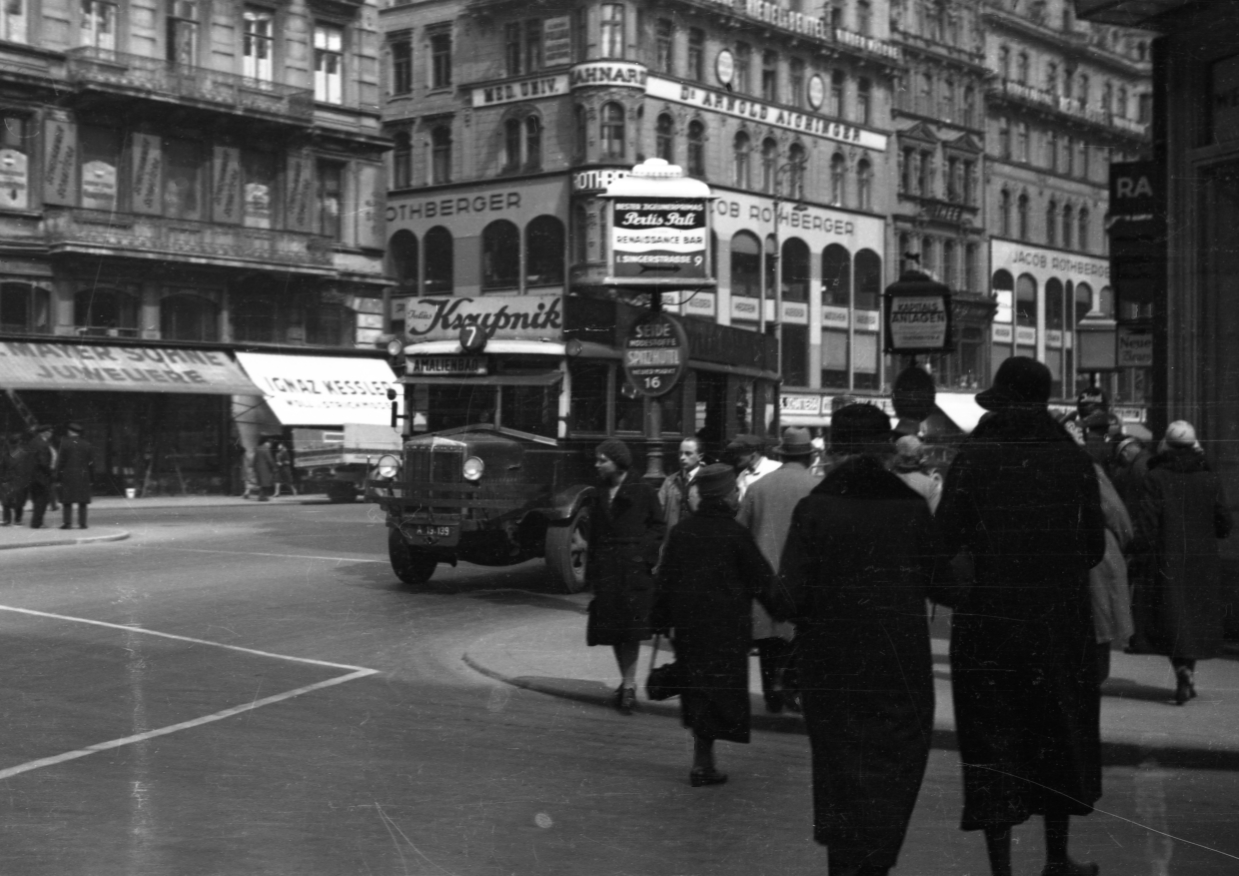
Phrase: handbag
(666, 681)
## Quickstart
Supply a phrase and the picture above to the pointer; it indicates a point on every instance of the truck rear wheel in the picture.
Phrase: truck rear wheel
(567, 550)
(410, 565)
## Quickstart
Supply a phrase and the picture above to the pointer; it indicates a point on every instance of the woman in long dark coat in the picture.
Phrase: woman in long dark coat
(1023, 499)
(711, 571)
(1180, 517)
(861, 557)
(626, 532)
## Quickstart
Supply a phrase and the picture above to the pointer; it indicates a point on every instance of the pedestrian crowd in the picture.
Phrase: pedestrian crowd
(49, 474)
(268, 469)
(1050, 540)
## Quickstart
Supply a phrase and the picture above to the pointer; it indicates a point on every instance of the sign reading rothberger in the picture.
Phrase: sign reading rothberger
(918, 323)
(659, 238)
(655, 354)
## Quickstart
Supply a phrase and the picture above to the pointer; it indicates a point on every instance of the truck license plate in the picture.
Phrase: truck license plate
(423, 529)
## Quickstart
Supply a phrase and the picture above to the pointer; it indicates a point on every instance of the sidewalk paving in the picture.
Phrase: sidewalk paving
(1138, 720)
(51, 535)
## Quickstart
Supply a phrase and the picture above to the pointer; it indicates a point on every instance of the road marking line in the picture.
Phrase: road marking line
(184, 725)
(258, 554)
(130, 628)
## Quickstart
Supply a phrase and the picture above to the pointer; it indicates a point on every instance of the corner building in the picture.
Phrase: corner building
(510, 123)
(183, 181)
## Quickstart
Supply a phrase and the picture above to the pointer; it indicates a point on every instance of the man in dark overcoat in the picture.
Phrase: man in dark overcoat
(40, 451)
(1022, 497)
(264, 469)
(862, 555)
(75, 469)
(16, 479)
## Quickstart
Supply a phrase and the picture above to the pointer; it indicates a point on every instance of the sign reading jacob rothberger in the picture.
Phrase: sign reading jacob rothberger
(659, 238)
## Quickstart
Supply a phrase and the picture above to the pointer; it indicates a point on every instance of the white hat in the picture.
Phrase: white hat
(1181, 434)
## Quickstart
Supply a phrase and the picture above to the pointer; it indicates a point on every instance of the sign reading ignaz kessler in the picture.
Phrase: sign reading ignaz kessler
(654, 238)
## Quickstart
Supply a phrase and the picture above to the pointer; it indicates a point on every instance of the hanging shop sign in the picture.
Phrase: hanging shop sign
(659, 239)
(525, 89)
(655, 354)
(557, 40)
(74, 367)
(321, 390)
(528, 317)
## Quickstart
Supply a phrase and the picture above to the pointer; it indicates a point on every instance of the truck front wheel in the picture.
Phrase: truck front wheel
(410, 565)
(567, 550)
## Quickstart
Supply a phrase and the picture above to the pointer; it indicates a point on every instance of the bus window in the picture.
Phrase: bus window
(710, 408)
(747, 418)
(673, 410)
(460, 405)
(530, 409)
(589, 396)
(629, 412)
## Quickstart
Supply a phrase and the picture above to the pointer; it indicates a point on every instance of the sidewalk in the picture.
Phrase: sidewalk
(51, 535)
(1138, 720)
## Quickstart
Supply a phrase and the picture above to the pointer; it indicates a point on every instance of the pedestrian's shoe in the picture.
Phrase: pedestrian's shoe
(264, 498)
(1185, 687)
(65, 526)
(625, 699)
(83, 526)
(699, 777)
(1071, 868)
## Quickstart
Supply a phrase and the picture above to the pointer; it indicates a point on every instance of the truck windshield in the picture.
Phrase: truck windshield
(532, 409)
(460, 405)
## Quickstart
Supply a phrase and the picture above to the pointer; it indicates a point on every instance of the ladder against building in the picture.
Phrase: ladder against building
(22, 410)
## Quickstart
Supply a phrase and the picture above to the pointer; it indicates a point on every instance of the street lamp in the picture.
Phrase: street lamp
(796, 170)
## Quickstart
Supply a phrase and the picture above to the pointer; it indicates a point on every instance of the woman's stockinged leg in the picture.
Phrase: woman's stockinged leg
(998, 846)
(626, 654)
(703, 753)
(1057, 861)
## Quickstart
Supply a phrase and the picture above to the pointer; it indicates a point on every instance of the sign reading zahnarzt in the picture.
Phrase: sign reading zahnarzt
(659, 238)
(918, 323)
(655, 354)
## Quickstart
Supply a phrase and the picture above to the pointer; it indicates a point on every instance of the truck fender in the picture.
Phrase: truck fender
(566, 503)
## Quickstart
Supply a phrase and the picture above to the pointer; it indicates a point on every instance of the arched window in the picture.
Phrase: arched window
(511, 144)
(580, 120)
(611, 130)
(1026, 300)
(970, 106)
(864, 101)
(1003, 288)
(769, 164)
(188, 318)
(402, 260)
(402, 160)
(501, 255)
(794, 266)
(255, 316)
(838, 167)
(1082, 238)
(868, 294)
(441, 155)
(24, 308)
(948, 101)
(440, 259)
(1055, 306)
(1069, 225)
(745, 265)
(1051, 223)
(1022, 217)
(797, 161)
(1105, 302)
(795, 270)
(836, 276)
(696, 148)
(107, 312)
(544, 252)
(1004, 212)
(742, 175)
(533, 142)
(664, 138)
(864, 184)
(1084, 304)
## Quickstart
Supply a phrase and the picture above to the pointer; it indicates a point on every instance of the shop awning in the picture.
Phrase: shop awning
(322, 390)
(961, 408)
(107, 368)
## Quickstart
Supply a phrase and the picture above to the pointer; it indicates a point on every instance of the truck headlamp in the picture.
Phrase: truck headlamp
(474, 468)
(388, 467)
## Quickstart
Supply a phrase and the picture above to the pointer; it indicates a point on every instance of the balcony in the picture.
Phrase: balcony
(1007, 89)
(157, 79)
(99, 232)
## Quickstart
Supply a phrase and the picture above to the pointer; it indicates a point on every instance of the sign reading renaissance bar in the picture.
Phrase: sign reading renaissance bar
(119, 369)
(659, 238)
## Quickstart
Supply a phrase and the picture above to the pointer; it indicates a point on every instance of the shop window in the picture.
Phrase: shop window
(98, 25)
(24, 309)
(1105, 302)
(795, 364)
(868, 268)
(672, 405)
(769, 164)
(184, 179)
(696, 148)
(13, 21)
(100, 168)
(544, 255)
(14, 164)
(441, 155)
(188, 318)
(257, 44)
(105, 312)
(742, 171)
(330, 183)
(865, 360)
(328, 63)
(745, 265)
(696, 54)
(664, 41)
(834, 359)
(864, 185)
(258, 170)
(1026, 301)
(1084, 304)
(440, 257)
(441, 59)
(1003, 287)
(836, 276)
(182, 43)
(611, 31)
(1055, 305)
(400, 45)
(501, 256)
(402, 260)
(612, 130)
(795, 270)
(664, 138)
(588, 410)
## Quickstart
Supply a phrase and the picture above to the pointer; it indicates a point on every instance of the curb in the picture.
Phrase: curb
(62, 542)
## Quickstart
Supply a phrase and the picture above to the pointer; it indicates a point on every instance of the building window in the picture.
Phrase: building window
(611, 31)
(836, 276)
(1026, 301)
(864, 17)
(183, 185)
(401, 45)
(952, 180)
(511, 144)
(696, 148)
(100, 168)
(441, 155)
(744, 64)
(864, 184)
(740, 159)
(1121, 109)
(440, 259)
(544, 252)
(970, 107)
(664, 138)
(1022, 143)
(1051, 222)
(1069, 225)
(533, 142)
(770, 77)
(188, 318)
(664, 36)
(696, 54)
(1004, 62)
(612, 130)
(1004, 212)
(580, 124)
(769, 164)
(258, 44)
(864, 101)
(1084, 90)
(950, 274)
(14, 163)
(797, 160)
(402, 160)
(925, 179)
(106, 313)
(1051, 150)
(1083, 237)
(745, 265)
(99, 21)
(1051, 78)
(13, 21)
(182, 47)
(24, 309)
(441, 60)
(796, 82)
(513, 46)
(835, 107)
(259, 175)
(1022, 217)
(330, 180)
(838, 170)
(925, 101)
(1021, 69)
(970, 267)
(1082, 165)
(402, 260)
(501, 256)
(905, 171)
(328, 63)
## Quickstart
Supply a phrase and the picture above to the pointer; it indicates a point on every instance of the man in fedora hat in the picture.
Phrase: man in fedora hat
(75, 469)
(40, 449)
(748, 454)
(766, 510)
(1023, 499)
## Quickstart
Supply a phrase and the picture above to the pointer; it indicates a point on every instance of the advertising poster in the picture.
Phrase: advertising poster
(658, 238)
